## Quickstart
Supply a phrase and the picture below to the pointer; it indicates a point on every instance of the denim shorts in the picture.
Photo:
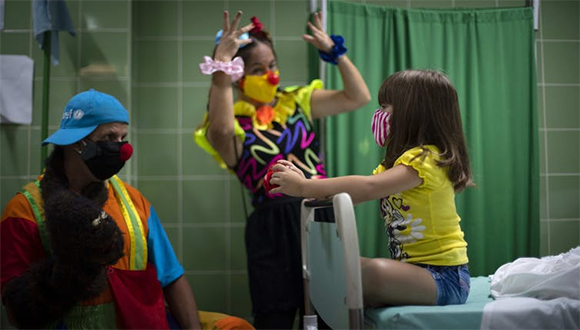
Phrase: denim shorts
(453, 283)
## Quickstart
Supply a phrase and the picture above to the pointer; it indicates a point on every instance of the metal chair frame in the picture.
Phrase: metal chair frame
(346, 230)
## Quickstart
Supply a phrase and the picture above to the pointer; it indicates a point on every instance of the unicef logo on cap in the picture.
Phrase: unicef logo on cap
(78, 114)
(73, 114)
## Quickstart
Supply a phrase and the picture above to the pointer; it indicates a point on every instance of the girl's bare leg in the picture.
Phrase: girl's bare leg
(391, 282)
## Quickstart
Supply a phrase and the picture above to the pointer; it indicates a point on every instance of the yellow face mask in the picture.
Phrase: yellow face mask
(261, 88)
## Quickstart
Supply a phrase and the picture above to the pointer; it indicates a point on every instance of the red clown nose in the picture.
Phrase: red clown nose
(273, 78)
(125, 152)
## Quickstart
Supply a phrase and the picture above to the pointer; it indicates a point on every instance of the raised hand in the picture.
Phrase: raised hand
(319, 38)
(230, 40)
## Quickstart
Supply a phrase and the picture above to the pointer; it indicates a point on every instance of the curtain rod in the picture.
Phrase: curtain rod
(535, 4)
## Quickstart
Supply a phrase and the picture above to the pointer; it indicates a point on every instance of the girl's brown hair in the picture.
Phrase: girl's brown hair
(426, 112)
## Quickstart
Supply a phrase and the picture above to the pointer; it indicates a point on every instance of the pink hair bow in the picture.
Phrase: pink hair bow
(235, 68)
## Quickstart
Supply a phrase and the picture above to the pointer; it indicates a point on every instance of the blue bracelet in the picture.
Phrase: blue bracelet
(337, 50)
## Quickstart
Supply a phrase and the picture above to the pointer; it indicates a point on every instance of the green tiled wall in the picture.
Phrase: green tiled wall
(558, 48)
(146, 53)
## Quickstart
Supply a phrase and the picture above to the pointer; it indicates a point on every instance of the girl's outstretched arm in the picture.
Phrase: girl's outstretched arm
(360, 188)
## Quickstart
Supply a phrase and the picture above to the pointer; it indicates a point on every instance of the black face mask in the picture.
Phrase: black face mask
(104, 158)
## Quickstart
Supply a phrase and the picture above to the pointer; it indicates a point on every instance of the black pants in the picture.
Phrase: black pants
(275, 263)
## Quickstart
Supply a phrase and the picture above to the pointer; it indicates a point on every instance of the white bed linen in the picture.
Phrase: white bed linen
(531, 313)
(536, 293)
(543, 278)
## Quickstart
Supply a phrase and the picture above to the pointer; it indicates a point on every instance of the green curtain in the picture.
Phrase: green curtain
(489, 56)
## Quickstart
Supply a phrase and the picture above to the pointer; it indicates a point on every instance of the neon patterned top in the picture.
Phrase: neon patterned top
(284, 131)
(422, 223)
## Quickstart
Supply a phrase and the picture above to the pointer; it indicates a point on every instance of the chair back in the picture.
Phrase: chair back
(331, 263)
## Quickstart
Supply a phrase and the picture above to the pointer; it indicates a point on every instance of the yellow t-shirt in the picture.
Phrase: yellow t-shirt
(422, 223)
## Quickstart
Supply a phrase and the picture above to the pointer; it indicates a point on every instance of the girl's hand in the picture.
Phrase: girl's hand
(283, 164)
(230, 43)
(289, 179)
(319, 38)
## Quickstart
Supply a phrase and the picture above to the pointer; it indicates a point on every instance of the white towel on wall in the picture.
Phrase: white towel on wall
(16, 77)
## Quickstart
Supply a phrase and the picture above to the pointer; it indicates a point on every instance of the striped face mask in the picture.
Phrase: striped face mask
(381, 126)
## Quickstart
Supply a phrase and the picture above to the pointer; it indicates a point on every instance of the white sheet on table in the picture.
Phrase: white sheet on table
(531, 313)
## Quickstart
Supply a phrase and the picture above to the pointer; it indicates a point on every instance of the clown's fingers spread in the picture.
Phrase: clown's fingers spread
(230, 38)
(245, 29)
(319, 38)
(235, 21)
(318, 20)
(239, 32)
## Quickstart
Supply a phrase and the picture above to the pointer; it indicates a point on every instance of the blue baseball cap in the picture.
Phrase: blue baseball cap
(83, 113)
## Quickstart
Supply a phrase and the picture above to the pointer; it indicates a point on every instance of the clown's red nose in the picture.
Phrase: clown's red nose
(125, 152)
(273, 78)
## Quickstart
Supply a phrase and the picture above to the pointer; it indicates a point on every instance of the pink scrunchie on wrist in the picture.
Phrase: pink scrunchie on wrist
(235, 68)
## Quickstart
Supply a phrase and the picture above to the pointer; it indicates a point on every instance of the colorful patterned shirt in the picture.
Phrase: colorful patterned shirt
(284, 131)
